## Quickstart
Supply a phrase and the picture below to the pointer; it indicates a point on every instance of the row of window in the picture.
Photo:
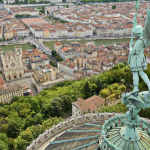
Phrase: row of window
(11, 96)
(6, 101)
(15, 92)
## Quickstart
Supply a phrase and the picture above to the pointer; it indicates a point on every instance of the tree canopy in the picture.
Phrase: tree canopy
(26, 117)
(114, 7)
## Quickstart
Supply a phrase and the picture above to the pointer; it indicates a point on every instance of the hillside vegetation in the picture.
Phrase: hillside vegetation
(27, 117)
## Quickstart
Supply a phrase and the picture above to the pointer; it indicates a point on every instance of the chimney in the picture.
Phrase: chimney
(95, 102)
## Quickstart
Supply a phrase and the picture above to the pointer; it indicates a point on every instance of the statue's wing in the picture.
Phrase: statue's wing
(146, 32)
(147, 100)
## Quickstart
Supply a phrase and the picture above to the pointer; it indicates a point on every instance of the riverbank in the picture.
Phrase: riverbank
(91, 39)
(106, 42)
(50, 43)
(73, 39)
(11, 47)
(16, 42)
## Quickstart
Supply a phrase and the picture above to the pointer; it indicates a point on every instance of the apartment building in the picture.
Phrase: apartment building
(46, 78)
(24, 10)
(57, 46)
(67, 66)
(90, 105)
(34, 58)
(10, 92)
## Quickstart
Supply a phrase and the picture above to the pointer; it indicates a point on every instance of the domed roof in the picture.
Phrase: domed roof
(115, 137)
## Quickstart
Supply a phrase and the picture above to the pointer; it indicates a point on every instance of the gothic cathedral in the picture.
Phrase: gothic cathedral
(12, 67)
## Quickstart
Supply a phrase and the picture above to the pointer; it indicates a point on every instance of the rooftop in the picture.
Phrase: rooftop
(2, 82)
(33, 20)
(91, 103)
(75, 135)
(39, 74)
(10, 89)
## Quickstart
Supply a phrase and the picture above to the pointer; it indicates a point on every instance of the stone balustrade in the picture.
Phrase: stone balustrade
(69, 123)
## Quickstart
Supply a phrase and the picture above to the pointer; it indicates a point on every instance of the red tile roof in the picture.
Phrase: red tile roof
(2, 82)
(58, 43)
(2, 87)
(49, 66)
(91, 103)
(32, 20)
(44, 57)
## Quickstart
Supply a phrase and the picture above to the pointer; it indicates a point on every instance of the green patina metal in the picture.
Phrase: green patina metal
(83, 130)
(127, 135)
(57, 142)
(136, 55)
(85, 145)
(93, 125)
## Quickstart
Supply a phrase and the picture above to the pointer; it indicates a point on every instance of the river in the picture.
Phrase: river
(51, 44)
(12, 47)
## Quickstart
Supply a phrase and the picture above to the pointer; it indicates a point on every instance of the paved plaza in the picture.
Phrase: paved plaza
(25, 81)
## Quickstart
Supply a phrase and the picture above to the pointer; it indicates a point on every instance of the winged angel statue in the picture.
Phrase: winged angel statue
(136, 101)
(137, 59)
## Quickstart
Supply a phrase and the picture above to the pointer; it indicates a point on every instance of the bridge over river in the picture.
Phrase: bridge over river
(39, 45)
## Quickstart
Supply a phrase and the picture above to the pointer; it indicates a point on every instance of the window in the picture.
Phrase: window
(7, 66)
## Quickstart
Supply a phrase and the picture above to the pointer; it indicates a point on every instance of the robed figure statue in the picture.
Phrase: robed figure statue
(136, 55)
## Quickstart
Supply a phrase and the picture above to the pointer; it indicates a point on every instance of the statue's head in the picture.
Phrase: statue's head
(137, 31)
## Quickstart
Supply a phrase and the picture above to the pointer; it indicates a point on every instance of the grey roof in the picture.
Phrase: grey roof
(39, 74)
(30, 70)
(9, 54)
(10, 89)
(75, 135)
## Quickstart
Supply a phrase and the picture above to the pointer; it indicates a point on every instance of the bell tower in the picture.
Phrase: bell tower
(18, 50)
(1, 51)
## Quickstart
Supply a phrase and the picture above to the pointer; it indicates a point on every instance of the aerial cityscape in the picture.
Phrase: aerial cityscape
(74, 74)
